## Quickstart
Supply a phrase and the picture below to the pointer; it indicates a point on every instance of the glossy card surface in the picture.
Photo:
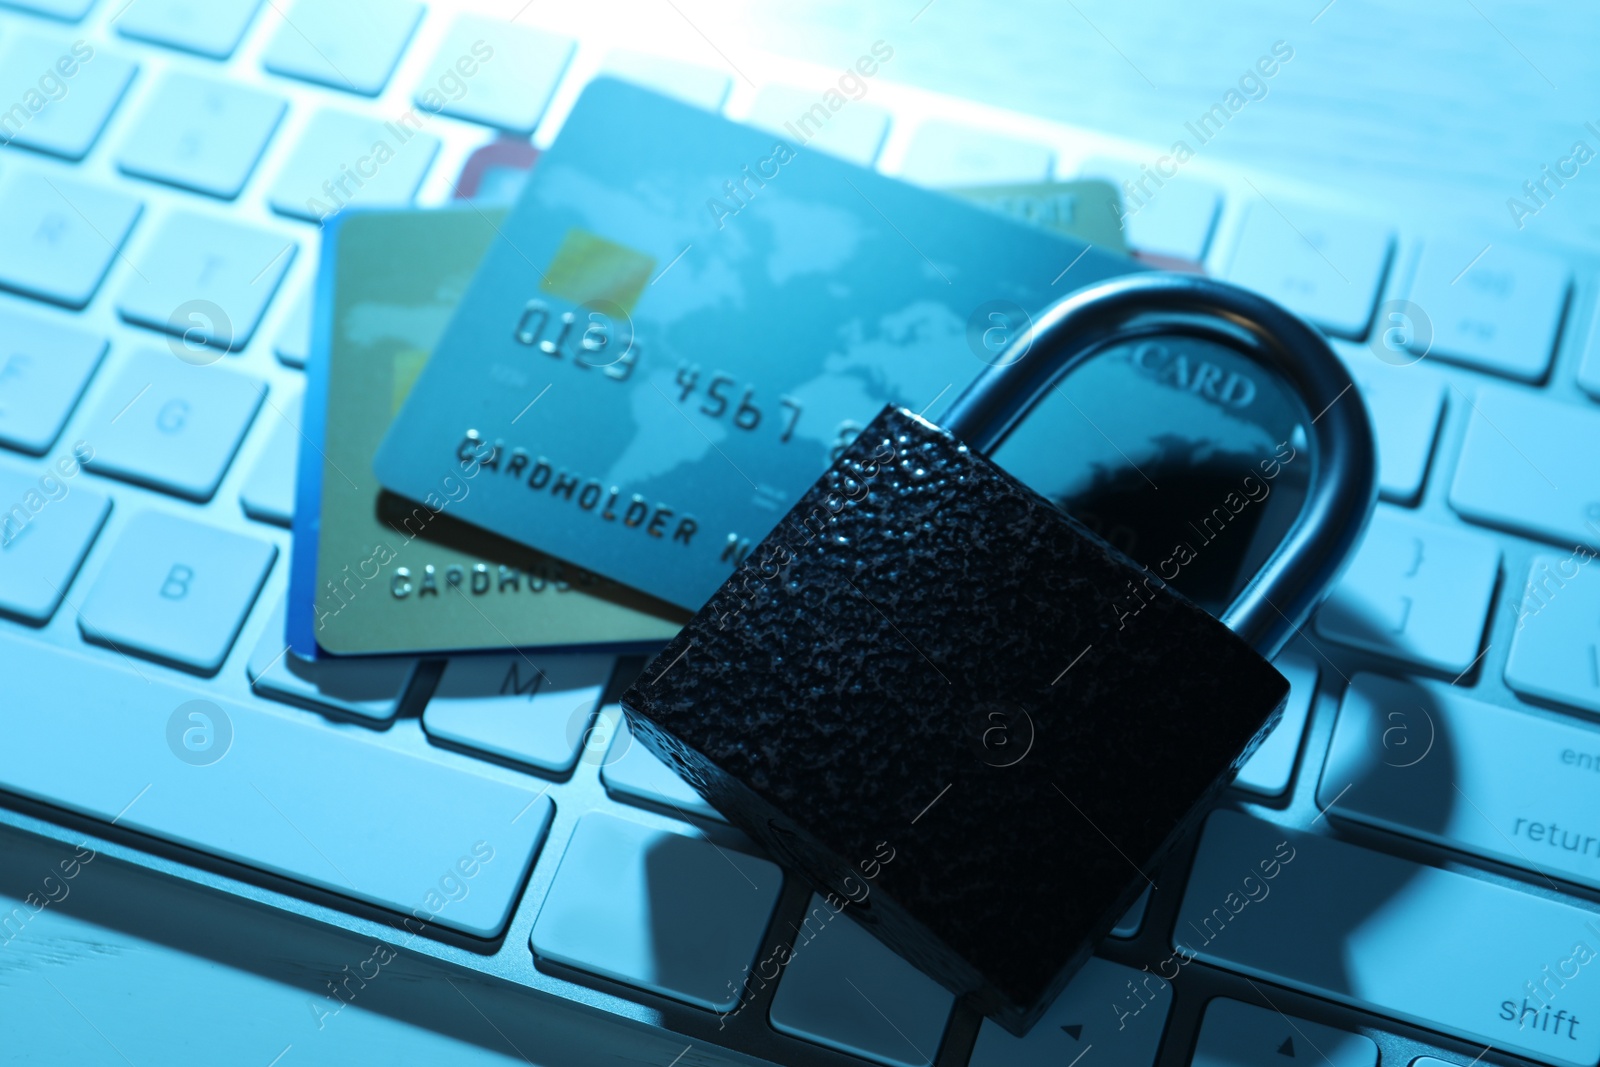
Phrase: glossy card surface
(376, 574)
(683, 321)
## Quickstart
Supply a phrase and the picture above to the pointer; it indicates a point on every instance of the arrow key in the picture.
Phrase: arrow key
(1235, 1034)
(1077, 1028)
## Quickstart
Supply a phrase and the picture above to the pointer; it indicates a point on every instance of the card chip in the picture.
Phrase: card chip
(588, 268)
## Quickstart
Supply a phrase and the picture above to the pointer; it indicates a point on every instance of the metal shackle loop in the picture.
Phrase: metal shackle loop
(1342, 488)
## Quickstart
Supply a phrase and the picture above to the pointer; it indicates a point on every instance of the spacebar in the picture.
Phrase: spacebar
(276, 791)
(1436, 949)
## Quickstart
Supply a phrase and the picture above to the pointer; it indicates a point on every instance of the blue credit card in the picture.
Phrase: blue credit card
(684, 320)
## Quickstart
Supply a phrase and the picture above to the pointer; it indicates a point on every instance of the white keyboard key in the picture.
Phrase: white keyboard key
(1501, 314)
(58, 236)
(689, 82)
(844, 989)
(631, 772)
(43, 369)
(943, 154)
(207, 281)
(293, 344)
(1243, 1035)
(1269, 770)
(268, 494)
(1406, 403)
(201, 134)
(1425, 761)
(533, 712)
(352, 45)
(280, 793)
(368, 686)
(206, 27)
(176, 591)
(1328, 268)
(1128, 926)
(1555, 651)
(1388, 936)
(1415, 591)
(48, 520)
(801, 117)
(495, 72)
(171, 425)
(670, 914)
(1525, 467)
(1168, 217)
(344, 159)
(89, 81)
(1589, 369)
(65, 10)
(1108, 1014)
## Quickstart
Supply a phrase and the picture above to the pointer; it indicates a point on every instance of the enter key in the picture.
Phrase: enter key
(1514, 786)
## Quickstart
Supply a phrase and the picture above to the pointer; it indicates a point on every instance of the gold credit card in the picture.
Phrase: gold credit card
(374, 573)
(1089, 209)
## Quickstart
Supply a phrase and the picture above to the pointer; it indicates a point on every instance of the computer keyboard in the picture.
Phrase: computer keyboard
(159, 213)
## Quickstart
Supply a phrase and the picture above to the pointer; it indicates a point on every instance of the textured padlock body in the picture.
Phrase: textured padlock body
(838, 701)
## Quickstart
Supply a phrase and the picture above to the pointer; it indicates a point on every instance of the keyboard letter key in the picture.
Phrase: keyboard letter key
(1328, 268)
(534, 713)
(370, 687)
(171, 425)
(1406, 403)
(43, 369)
(67, 122)
(343, 159)
(201, 134)
(1166, 216)
(1496, 308)
(206, 281)
(494, 72)
(47, 523)
(1415, 591)
(942, 153)
(58, 237)
(205, 27)
(1555, 651)
(176, 591)
(1528, 465)
(351, 45)
(689, 82)
(800, 117)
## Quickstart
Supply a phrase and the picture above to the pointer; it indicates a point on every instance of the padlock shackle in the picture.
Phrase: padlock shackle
(1342, 489)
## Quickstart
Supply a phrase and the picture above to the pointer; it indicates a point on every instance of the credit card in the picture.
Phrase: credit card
(1089, 209)
(683, 321)
(371, 573)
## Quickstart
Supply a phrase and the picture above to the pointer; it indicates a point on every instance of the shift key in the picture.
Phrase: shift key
(1440, 950)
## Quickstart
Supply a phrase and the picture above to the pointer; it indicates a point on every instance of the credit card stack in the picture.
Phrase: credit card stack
(557, 414)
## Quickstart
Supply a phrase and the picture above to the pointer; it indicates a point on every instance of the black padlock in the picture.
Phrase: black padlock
(837, 699)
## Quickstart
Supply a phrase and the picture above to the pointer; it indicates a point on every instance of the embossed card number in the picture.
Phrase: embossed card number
(596, 335)
(719, 390)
